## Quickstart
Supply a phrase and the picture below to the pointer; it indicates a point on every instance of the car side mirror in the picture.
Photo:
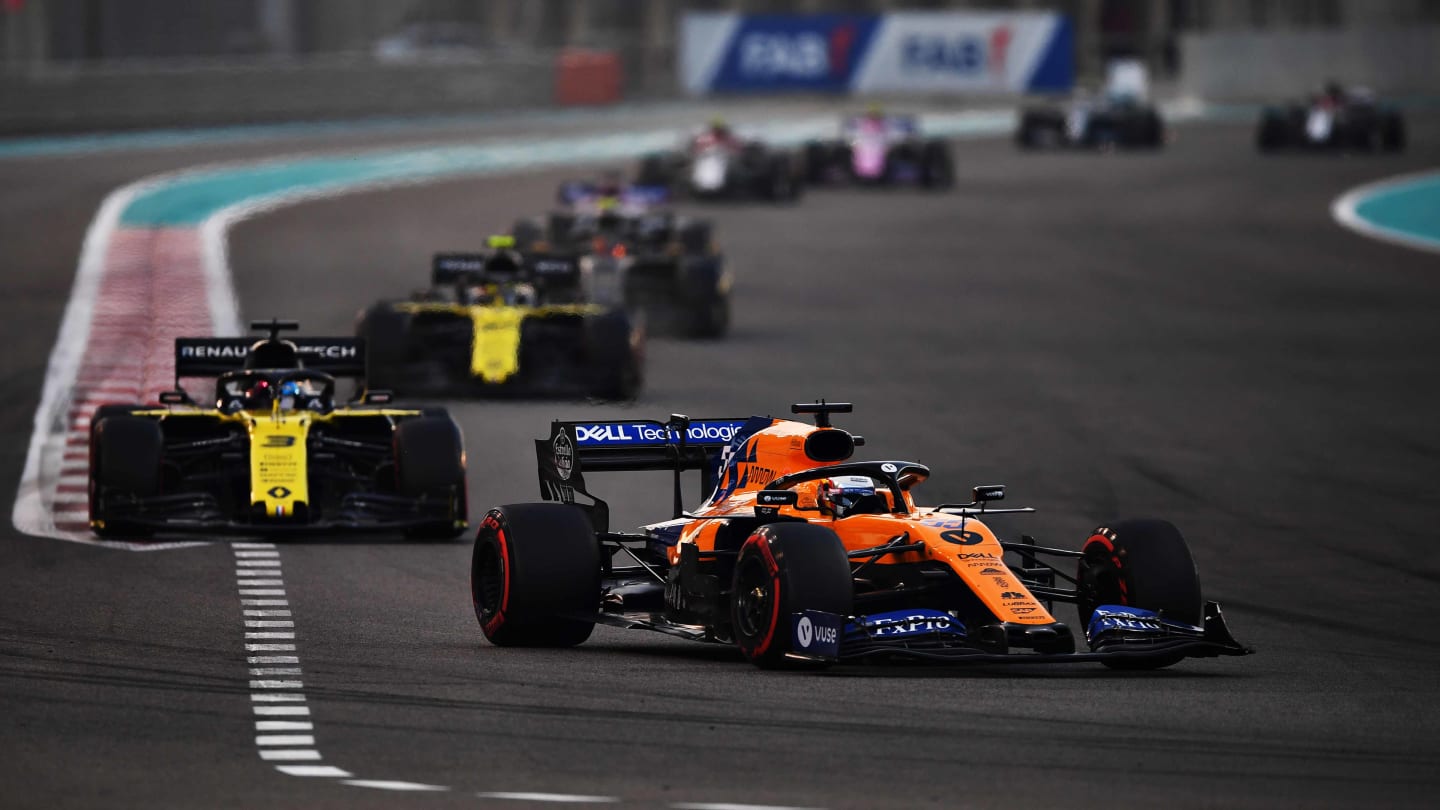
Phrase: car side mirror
(174, 398)
(769, 501)
(378, 397)
(988, 492)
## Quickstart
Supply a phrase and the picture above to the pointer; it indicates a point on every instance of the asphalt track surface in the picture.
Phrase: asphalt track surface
(1184, 334)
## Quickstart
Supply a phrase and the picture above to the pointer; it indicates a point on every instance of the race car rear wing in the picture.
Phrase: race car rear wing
(213, 356)
(548, 270)
(677, 444)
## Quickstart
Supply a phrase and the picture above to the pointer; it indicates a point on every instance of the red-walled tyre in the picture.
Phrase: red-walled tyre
(782, 569)
(1144, 564)
(535, 575)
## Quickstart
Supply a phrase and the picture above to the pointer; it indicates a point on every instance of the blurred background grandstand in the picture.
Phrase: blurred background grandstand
(87, 64)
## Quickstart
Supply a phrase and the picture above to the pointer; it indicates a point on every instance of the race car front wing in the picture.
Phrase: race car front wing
(1114, 632)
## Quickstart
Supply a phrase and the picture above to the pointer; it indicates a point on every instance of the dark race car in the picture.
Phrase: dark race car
(666, 265)
(879, 149)
(1122, 117)
(273, 452)
(1106, 124)
(509, 321)
(717, 163)
(1333, 119)
(799, 555)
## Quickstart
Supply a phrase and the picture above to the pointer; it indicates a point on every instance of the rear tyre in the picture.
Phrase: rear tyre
(1144, 564)
(937, 171)
(817, 162)
(430, 461)
(534, 570)
(782, 569)
(653, 171)
(1392, 133)
(385, 331)
(706, 301)
(616, 362)
(125, 456)
(526, 233)
(695, 238)
(1270, 134)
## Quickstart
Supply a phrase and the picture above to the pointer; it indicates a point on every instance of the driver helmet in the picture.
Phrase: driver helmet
(838, 495)
(289, 393)
(719, 128)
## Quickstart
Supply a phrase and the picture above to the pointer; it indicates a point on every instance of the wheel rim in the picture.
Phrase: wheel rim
(754, 599)
(489, 578)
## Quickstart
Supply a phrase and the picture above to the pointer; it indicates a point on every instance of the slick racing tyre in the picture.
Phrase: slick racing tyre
(937, 171)
(616, 365)
(430, 465)
(706, 299)
(534, 575)
(782, 569)
(1392, 132)
(527, 232)
(654, 171)
(386, 332)
(783, 185)
(125, 456)
(1144, 564)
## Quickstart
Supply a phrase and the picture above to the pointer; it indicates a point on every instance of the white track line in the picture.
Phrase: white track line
(561, 798)
(271, 696)
(1345, 211)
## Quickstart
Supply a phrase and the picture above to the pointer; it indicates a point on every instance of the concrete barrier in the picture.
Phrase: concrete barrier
(84, 98)
(1273, 65)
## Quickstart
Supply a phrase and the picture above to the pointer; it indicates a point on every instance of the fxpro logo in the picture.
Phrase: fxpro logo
(640, 433)
(805, 55)
(966, 54)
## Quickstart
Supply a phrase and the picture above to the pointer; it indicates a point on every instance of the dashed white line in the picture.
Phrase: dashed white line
(287, 754)
(284, 739)
(380, 784)
(267, 684)
(283, 725)
(734, 806)
(327, 771)
(273, 659)
(282, 711)
(276, 697)
(563, 798)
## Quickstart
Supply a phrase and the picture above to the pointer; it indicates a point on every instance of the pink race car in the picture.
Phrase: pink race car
(878, 149)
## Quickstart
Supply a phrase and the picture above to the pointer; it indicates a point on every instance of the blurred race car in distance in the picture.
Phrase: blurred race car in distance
(799, 555)
(663, 265)
(1122, 117)
(716, 162)
(507, 321)
(880, 149)
(1334, 118)
(272, 452)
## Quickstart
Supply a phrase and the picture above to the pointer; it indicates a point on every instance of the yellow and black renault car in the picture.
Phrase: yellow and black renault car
(272, 452)
(506, 321)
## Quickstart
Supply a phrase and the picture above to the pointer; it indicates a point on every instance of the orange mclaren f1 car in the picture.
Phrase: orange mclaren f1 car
(800, 555)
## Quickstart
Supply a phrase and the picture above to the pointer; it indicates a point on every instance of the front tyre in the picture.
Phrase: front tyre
(1144, 564)
(783, 569)
(534, 575)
